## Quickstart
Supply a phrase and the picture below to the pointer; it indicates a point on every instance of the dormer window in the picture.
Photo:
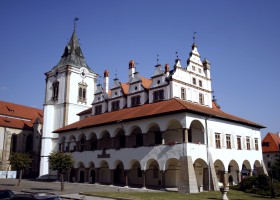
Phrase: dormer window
(158, 82)
(135, 101)
(115, 105)
(158, 95)
(98, 109)
(55, 91)
(116, 93)
(135, 88)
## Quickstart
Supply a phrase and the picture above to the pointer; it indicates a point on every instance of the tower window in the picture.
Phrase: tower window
(193, 68)
(200, 83)
(135, 101)
(199, 70)
(82, 96)
(183, 93)
(55, 91)
(201, 98)
(158, 95)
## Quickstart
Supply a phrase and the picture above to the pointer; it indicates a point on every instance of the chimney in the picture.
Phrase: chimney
(106, 81)
(166, 67)
(131, 68)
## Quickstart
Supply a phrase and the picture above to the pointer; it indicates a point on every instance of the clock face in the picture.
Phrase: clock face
(83, 72)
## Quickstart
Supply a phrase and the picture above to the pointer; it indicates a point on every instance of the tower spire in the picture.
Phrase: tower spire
(194, 35)
(75, 22)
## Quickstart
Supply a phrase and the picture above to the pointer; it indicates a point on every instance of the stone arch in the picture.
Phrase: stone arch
(105, 141)
(196, 132)
(172, 169)
(81, 172)
(135, 138)
(246, 169)
(153, 176)
(174, 132)
(258, 168)
(119, 173)
(153, 136)
(119, 139)
(72, 143)
(14, 139)
(82, 142)
(92, 172)
(104, 172)
(233, 172)
(135, 173)
(62, 144)
(220, 170)
(92, 141)
(201, 174)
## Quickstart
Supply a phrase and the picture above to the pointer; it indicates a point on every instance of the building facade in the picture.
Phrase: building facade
(160, 132)
(271, 148)
(20, 131)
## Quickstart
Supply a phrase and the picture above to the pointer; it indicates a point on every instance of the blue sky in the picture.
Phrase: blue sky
(239, 38)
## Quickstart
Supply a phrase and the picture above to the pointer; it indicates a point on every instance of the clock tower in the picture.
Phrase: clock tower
(69, 90)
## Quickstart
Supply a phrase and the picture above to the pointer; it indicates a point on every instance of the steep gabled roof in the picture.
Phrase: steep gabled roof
(273, 141)
(146, 82)
(145, 111)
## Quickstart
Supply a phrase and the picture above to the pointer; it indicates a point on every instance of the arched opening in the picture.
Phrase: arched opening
(119, 174)
(92, 176)
(201, 174)
(72, 177)
(174, 133)
(81, 172)
(258, 168)
(120, 140)
(246, 168)
(135, 174)
(172, 169)
(13, 147)
(233, 171)
(72, 143)
(153, 176)
(136, 138)
(196, 132)
(62, 144)
(153, 136)
(93, 142)
(104, 173)
(220, 171)
(105, 141)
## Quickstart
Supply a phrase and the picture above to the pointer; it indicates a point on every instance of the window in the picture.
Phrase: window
(98, 109)
(256, 144)
(200, 83)
(115, 105)
(135, 101)
(193, 68)
(183, 93)
(238, 142)
(194, 81)
(248, 143)
(158, 95)
(82, 92)
(201, 99)
(218, 140)
(265, 144)
(199, 71)
(228, 140)
(55, 91)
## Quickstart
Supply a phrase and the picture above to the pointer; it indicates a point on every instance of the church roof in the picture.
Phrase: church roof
(72, 55)
(19, 116)
(161, 108)
(273, 143)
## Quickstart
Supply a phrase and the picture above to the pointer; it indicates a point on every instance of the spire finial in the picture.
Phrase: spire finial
(194, 34)
(75, 22)
(116, 74)
(177, 57)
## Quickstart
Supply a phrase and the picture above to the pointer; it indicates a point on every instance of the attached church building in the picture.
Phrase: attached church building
(165, 131)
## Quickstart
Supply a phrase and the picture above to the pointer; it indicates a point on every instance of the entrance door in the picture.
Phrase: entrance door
(82, 176)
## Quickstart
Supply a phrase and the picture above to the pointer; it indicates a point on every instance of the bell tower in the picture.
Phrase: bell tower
(69, 90)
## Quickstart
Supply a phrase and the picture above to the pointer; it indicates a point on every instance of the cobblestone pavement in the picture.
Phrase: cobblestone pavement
(71, 190)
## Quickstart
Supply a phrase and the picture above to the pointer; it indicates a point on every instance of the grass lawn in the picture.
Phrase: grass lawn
(232, 195)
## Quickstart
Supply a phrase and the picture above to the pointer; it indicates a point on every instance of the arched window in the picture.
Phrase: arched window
(55, 91)
(29, 144)
(13, 147)
(82, 94)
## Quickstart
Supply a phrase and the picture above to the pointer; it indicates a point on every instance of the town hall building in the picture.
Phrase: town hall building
(165, 131)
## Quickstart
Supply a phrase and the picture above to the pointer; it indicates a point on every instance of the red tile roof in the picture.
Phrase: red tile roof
(85, 112)
(125, 87)
(146, 82)
(274, 141)
(161, 108)
(18, 116)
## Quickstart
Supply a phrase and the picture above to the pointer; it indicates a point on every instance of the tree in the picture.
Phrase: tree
(20, 161)
(62, 162)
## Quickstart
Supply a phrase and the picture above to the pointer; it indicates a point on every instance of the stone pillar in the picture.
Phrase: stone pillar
(144, 179)
(225, 179)
(97, 175)
(238, 176)
(126, 178)
(185, 135)
(112, 171)
(187, 178)
(86, 175)
(162, 180)
(144, 135)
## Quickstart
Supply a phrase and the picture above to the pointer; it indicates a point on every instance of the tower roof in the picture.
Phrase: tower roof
(72, 55)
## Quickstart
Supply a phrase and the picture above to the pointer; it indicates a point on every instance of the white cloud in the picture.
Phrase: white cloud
(3, 88)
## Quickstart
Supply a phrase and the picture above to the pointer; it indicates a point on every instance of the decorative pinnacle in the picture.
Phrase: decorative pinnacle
(157, 58)
(75, 22)
(194, 34)
(177, 55)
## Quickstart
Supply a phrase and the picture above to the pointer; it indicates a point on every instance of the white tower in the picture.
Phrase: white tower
(69, 90)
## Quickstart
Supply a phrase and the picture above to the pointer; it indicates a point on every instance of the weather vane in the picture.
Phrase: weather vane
(75, 22)
(194, 34)
(177, 55)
